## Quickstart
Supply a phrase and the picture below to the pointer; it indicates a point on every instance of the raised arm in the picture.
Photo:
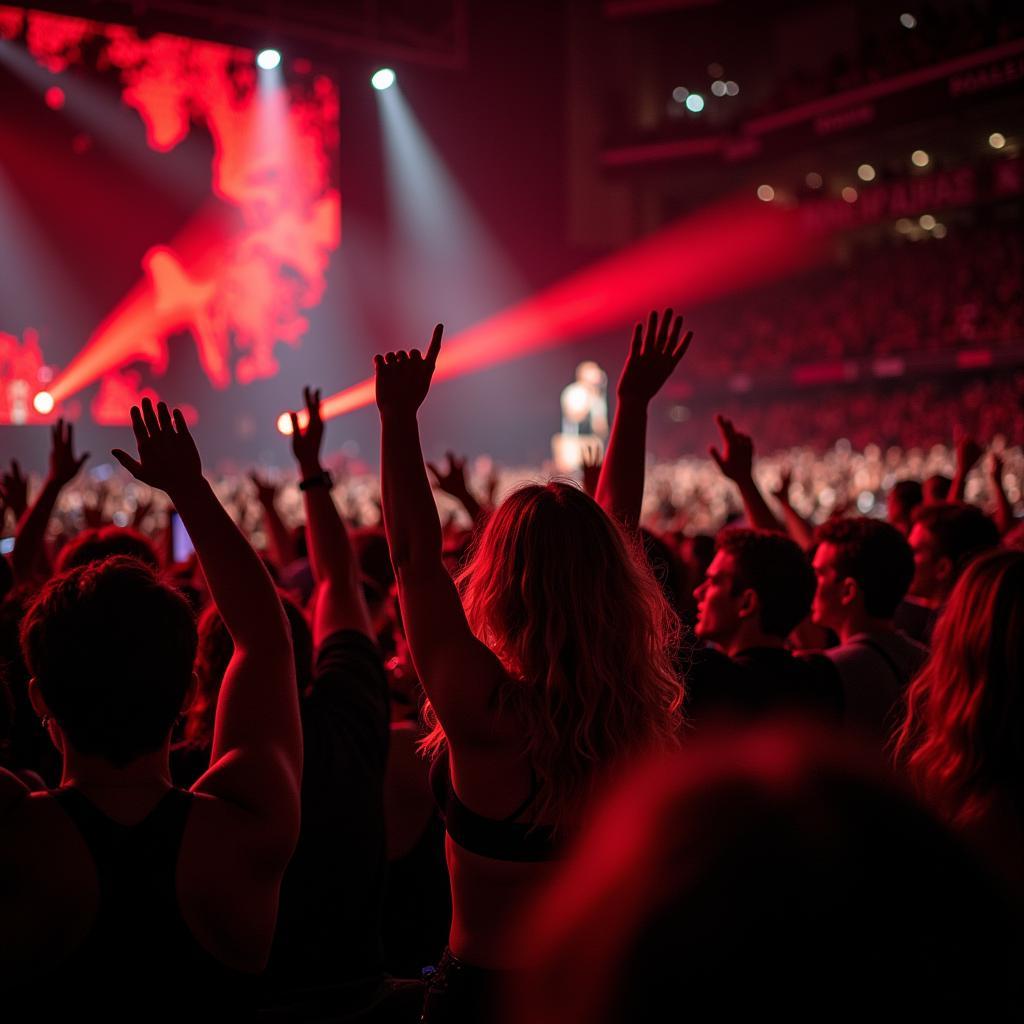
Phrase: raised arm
(29, 552)
(968, 451)
(736, 461)
(452, 480)
(457, 671)
(281, 547)
(256, 760)
(653, 354)
(1004, 508)
(339, 597)
(796, 526)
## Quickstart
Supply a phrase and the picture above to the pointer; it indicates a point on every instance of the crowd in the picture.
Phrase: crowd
(896, 299)
(568, 752)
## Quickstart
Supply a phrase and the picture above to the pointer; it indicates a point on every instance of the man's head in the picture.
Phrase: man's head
(758, 583)
(111, 650)
(863, 569)
(97, 544)
(944, 539)
(904, 497)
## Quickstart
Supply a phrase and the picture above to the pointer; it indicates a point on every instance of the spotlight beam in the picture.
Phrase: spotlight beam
(723, 249)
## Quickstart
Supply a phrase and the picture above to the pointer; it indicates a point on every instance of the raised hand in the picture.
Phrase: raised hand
(737, 460)
(590, 463)
(168, 457)
(653, 354)
(14, 488)
(451, 480)
(64, 466)
(968, 451)
(306, 444)
(403, 378)
(266, 491)
(781, 493)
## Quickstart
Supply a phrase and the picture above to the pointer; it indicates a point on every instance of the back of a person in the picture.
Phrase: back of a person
(776, 681)
(876, 669)
(103, 912)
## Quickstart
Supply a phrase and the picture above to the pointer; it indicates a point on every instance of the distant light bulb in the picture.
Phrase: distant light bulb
(866, 172)
(849, 194)
(718, 87)
(919, 158)
(267, 60)
(695, 102)
(765, 193)
(814, 180)
(679, 93)
(997, 140)
(927, 221)
(284, 424)
(382, 79)
(43, 403)
(907, 20)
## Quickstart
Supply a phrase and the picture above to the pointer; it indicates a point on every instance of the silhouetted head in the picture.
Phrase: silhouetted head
(104, 542)
(576, 617)
(760, 870)
(904, 497)
(111, 650)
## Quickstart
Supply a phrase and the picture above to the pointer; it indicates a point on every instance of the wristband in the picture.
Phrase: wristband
(321, 479)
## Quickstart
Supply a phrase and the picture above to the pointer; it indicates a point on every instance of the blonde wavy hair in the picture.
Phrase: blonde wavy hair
(572, 610)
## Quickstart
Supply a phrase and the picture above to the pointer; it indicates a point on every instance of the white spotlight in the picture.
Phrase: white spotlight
(695, 102)
(907, 20)
(920, 158)
(43, 403)
(267, 60)
(765, 193)
(997, 140)
(382, 79)
(866, 172)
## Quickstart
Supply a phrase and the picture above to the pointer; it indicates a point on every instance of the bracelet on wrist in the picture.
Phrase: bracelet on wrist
(321, 479)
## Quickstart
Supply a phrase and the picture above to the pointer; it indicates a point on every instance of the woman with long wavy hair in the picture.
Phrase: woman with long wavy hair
(962, 742)
(550, 669)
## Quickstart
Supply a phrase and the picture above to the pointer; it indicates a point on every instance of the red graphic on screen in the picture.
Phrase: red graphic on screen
(239, 276)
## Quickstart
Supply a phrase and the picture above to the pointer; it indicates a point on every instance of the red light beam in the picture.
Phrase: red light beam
(723, 249)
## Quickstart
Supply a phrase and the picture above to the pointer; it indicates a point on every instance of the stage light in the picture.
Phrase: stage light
(718, 87)
(997, 140)
(267, 60)
(765, 193)
(731, 88)
(43, 403)
(814, 180)
(849, 194)
(939, 231)
(907, 20)
(284, 424)
(382, 79)
(927, 221)
(54, 97)
(919, 158)
(716, 70)
(904, 225)
(695, 102)
(866, 172)
(679, 93)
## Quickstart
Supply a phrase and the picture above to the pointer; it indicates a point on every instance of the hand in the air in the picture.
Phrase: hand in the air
(168, 457)
(653, 354)
(403, 378)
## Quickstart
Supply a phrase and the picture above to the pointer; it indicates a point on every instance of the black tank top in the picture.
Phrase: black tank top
(140, 959)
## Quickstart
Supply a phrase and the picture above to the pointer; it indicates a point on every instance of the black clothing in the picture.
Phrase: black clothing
(140, 960)
(916, 620)
(501, 838)
(761, 681)
(327, 947)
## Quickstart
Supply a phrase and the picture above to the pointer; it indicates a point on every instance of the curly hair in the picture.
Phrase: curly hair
(573, 612)
(962, 741)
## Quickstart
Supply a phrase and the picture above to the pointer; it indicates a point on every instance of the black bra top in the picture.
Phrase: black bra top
(497, 838)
